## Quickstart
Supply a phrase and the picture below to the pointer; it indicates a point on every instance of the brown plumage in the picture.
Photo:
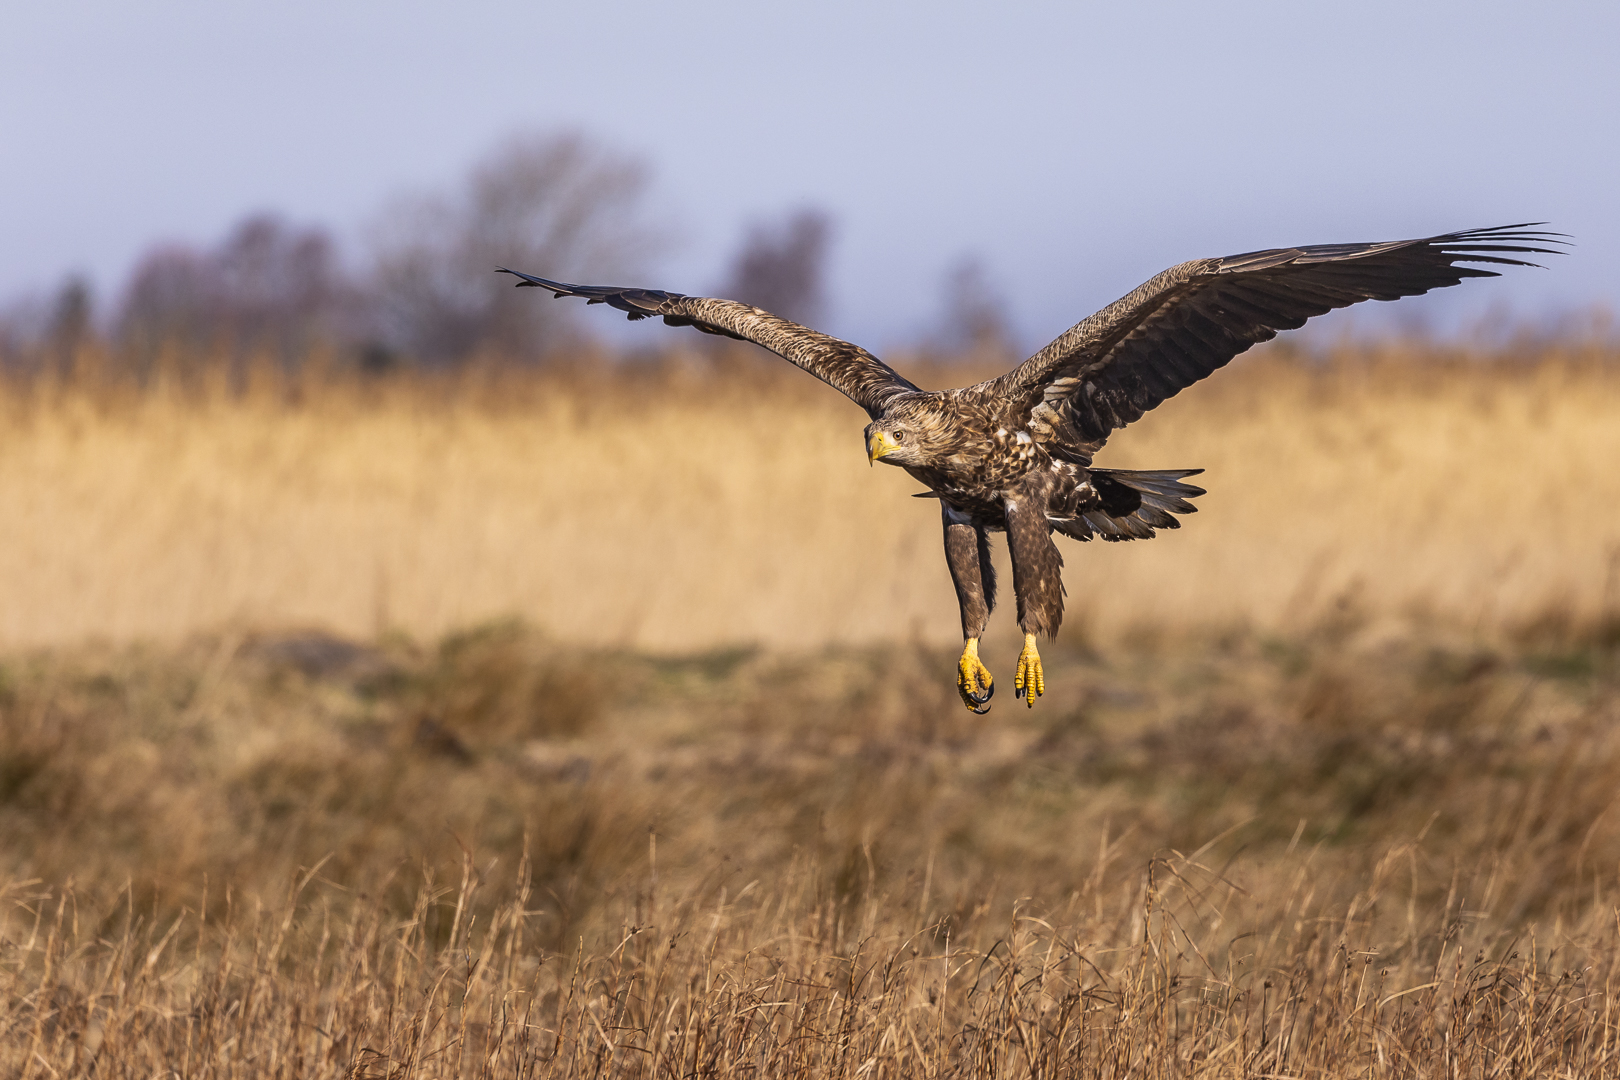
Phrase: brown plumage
(1014, 454)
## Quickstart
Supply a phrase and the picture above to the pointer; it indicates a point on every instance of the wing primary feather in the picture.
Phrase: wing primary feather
(1182, 324)
(851, 370)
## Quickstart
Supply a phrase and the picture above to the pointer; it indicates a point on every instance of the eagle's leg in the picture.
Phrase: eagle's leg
(967, 552)
(1038, 581)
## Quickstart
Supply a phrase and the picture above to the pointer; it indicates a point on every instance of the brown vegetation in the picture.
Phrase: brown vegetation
(1231, 856)
(1342, 810)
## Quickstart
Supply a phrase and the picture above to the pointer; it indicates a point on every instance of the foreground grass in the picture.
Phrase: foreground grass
(1322, 852)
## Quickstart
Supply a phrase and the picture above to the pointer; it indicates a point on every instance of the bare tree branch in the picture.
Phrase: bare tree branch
(782, 267)
(559, 202)
(269, 287)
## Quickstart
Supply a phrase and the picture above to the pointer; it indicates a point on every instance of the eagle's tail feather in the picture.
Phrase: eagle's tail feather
(1134, 504)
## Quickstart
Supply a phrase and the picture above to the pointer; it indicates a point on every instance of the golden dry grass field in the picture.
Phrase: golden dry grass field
(683, 511)
(603, 724)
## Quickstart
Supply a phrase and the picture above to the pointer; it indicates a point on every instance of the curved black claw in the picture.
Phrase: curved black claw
(973, 681)
(981, 702)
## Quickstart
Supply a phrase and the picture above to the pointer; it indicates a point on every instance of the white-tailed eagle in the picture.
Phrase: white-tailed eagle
(1013, 454)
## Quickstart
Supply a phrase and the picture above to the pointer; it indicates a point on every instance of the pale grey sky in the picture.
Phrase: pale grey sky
(1076, 148)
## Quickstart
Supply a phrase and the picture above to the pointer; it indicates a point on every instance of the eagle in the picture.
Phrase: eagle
(1014, 454)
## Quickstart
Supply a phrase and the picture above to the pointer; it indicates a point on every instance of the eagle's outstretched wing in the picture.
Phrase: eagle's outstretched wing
(1108, 370)
(865, 379)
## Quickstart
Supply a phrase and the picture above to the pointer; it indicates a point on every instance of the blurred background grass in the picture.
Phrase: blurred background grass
(710, 500)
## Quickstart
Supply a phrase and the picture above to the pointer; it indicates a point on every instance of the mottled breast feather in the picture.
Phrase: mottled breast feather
(853, 371)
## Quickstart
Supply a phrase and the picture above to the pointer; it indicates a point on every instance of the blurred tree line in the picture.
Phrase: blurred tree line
(422, 291)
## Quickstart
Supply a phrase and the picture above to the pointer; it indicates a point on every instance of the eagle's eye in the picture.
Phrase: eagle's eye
(899, 436)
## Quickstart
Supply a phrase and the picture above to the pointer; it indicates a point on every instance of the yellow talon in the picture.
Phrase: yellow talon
(1030, 681)
(973, 679)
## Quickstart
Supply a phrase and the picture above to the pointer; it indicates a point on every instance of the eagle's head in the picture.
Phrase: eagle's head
(895, 441)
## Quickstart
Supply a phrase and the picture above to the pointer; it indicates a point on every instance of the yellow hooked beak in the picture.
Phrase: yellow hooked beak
(878, 445)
